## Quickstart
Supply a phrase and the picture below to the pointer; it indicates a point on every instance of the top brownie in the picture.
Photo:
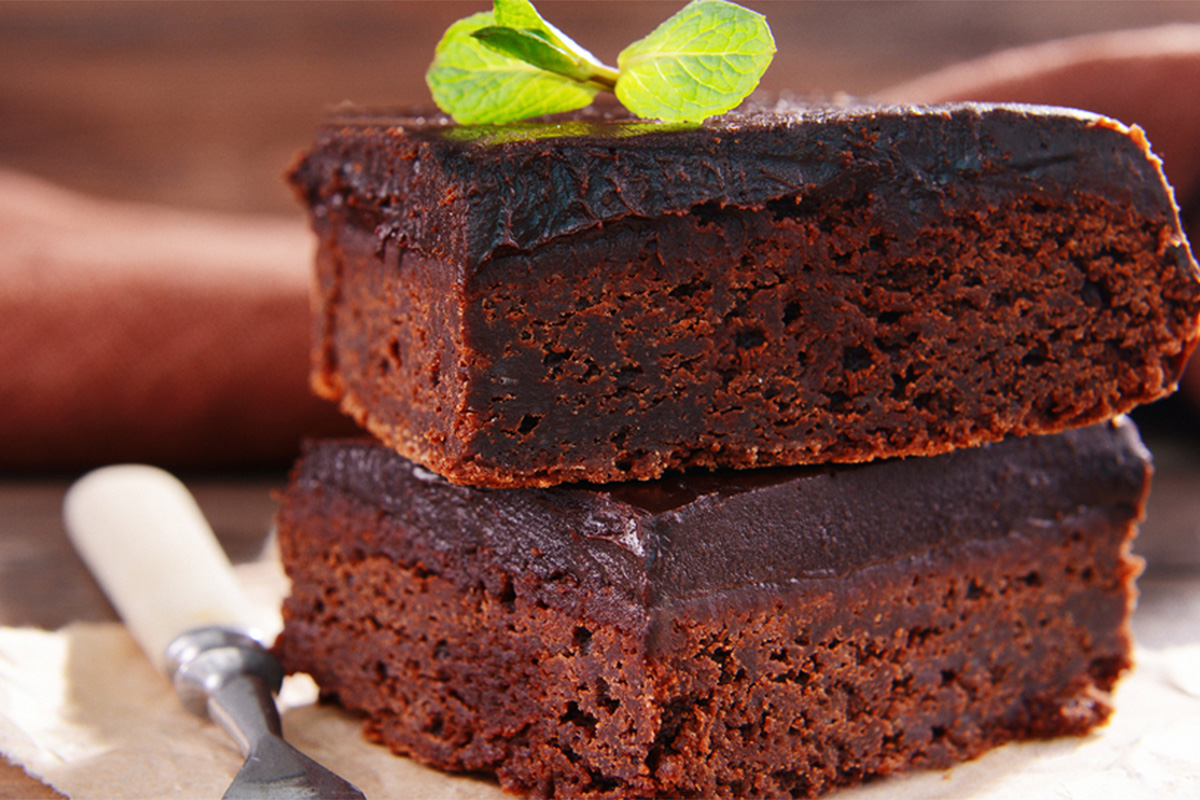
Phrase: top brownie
(600, 299)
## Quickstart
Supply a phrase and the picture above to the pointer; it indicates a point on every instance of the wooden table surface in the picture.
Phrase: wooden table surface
(201, 105)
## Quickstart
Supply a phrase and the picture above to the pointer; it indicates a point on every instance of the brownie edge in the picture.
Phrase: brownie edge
(580, 659)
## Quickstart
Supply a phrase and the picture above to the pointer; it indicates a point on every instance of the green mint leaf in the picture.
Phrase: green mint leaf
(475, 84)
(517, 14)
(528, 45)
(702, 61)
(522, 14)
(532, 47)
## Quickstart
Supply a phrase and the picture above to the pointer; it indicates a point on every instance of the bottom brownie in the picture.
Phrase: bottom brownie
(762, 633)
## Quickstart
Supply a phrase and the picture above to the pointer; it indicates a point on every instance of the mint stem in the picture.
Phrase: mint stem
(589, 73)
(603, 76)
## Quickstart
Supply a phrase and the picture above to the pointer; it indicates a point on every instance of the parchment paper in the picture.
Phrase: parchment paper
(82, 709)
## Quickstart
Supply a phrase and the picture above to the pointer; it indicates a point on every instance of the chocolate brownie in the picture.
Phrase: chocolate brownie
(767, 632)
(603, 299)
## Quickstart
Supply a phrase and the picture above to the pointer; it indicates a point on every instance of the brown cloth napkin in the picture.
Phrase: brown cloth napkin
(133, 332)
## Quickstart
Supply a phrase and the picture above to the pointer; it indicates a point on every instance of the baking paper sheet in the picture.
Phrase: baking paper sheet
(82, 709)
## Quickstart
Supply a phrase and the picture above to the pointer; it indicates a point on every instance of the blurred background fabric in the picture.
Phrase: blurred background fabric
(154, 266)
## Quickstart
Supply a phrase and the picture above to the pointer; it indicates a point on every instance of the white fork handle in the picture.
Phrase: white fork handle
(148, 545)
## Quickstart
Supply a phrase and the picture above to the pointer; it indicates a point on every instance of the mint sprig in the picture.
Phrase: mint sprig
(510, 64)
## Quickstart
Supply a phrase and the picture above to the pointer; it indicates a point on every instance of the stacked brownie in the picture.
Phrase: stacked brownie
(618, 535)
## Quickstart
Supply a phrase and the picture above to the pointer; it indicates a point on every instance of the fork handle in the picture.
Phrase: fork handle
(147, 543)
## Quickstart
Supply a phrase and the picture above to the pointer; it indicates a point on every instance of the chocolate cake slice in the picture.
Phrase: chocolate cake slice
(603, 299)
(774, 632)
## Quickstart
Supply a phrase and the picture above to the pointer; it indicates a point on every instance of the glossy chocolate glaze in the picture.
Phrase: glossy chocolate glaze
(465, 194)
(693, 536)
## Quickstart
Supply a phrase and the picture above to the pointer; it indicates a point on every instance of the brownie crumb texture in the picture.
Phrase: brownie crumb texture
(729, 338)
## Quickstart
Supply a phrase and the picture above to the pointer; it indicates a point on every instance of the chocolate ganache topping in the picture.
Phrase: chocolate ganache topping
(484, 190)
(693, 535)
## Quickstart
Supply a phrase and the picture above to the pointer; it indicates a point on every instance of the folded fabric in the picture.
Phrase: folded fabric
(135, 332)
